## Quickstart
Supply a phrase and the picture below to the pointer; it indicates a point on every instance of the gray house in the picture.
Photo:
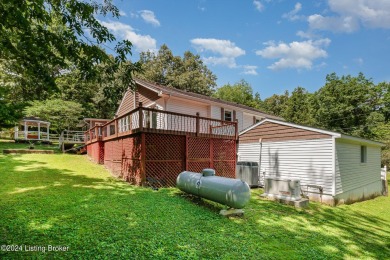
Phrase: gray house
(333, 168)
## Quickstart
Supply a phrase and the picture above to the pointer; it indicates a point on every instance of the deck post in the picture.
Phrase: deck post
(197, 124)
(39, 131)
(25, 130)
(16, 135)
(186, 155)
(141, 117)
(148, 119)
(116, 127)
(236, 129)
(47, 131)
(211, 153)
(143, 159)
(130, 123)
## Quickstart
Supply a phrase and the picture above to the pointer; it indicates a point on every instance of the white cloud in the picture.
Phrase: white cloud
(226, 50)
(134, 15)
(249, 70)
(351, 14)
(359, 61)
(306, 35)
(335, 24)
(298, 55)
(259, 6)
(149, 17)
(122, 13)
(293, 14)
(125, 31)
(224, 61)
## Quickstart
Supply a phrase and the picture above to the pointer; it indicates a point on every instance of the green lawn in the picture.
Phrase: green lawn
(69, 201)
(10, 144)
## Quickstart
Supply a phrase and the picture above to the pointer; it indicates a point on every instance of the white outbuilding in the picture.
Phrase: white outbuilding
(332, 168)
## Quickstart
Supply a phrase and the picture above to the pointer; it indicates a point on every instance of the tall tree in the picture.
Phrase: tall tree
(99, 96)
(240, 92)
(61, 114)
(188, 73)
(276, 104)
(42, 40)
(382, 91)
(298, 107)
(344, 103)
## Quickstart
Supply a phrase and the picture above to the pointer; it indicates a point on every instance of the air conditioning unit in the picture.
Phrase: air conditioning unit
(248, 172)
(282, 188)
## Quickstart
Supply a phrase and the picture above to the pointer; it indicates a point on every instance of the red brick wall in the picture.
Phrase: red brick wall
(96, 151)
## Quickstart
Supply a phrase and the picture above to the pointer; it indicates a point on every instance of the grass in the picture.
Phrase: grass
(10, 144)
(69, 201)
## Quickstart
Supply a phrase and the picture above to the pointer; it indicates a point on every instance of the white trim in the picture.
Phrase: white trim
(361, 140)
(208, 102)
(34, 121)
(150, 104)
(337, 135)
(334, 134)
(333, 166)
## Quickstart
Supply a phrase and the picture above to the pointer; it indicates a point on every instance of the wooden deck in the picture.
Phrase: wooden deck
(147, 120)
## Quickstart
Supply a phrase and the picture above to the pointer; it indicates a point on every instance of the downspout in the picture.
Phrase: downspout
(334, 166)
(260, 150)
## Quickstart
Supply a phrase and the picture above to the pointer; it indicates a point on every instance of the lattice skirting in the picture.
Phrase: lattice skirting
(163, 157)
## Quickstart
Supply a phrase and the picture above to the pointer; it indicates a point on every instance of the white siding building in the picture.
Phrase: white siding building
(174, 100)
(333, 168)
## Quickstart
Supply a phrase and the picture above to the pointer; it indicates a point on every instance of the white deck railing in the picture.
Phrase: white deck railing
(71, 137)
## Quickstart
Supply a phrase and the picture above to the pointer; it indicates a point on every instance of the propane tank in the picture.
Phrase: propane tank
(231, 192)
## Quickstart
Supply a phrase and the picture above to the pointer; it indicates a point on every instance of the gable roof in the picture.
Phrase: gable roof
(318, 130)
(198, 97)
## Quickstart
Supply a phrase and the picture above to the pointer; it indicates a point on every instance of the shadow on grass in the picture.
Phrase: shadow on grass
(98, 216)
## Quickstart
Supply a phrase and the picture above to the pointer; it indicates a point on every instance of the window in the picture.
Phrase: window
(228, 116)
(363, 154)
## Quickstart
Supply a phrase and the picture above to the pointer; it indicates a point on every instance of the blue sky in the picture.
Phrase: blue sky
(273, 44)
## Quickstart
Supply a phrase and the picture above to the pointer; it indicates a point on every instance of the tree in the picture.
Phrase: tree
(99, 96)
(345, 103)
(382, 91)
(298, 107)
(61, 114)
(240, 92)
(187, 73)
(275, 104)
(43, 40)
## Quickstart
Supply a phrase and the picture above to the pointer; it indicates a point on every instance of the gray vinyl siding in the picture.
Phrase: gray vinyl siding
(184, 107)
(310, 161)
(216, 114)
(247, 120)
(239, 117)
(350, 172)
